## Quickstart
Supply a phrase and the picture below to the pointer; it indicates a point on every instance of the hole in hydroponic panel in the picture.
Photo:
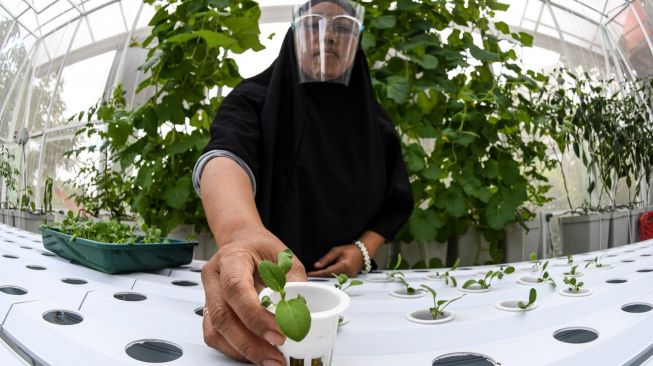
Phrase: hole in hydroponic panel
(74, 281)
(153, 351)
(421, 270)
(9, 241)
(197, 270)
(645, 270)
(13, 290)
(464, 269)
(24, 247)
(575, 335)
(48, 254)
(62, 317)
(467, 359)
(10, 256)
(199, 311)
(129, 296)
(617, 280)
(627, 260)
(611, 255)
(638, 307)
(374, 271)
(184, 283)
(318, 280)
(36, 268)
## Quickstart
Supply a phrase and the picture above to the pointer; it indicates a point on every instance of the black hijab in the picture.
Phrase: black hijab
(326, 158)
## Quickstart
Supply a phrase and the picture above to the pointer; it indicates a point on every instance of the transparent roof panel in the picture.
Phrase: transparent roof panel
(107, 22)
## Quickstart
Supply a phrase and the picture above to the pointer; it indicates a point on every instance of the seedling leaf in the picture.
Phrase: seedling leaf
(272, 276)
(293, 318)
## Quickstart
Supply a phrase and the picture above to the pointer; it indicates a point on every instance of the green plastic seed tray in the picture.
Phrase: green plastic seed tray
(119, 258)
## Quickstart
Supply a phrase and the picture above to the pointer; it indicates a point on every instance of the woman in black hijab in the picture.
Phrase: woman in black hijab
(301, 156)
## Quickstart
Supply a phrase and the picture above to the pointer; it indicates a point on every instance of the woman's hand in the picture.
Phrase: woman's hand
(346, 259)
(235, 323)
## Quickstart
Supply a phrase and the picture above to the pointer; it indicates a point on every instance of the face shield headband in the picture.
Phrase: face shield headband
(326, 36)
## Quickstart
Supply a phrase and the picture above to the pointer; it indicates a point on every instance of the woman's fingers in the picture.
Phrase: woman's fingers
(238, 291)
(252, 329)
(215, 340)
(328, 258)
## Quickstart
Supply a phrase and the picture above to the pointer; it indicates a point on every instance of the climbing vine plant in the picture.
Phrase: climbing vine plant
(462, 104)
(187, 61)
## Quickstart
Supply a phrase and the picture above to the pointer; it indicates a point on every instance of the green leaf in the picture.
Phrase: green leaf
(398, 88)
(483, 55)
(526, 39)
(495, 5)
(502, 27)
(272, 275)
(509, 270)
(532, 296)
(469, 283)
(368, 41)
(384, 22)
(284, 260)
(452, 201)
(424, 224)
(177, 195)
(293, 318)
(428, 62)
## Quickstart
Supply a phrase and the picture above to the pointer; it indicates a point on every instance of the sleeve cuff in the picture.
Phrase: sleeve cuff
(201, 162)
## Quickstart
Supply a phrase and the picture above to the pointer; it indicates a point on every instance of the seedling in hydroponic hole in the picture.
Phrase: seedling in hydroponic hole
(292, 316)
(485, 282)
(572, 272)
(536, 262)
(342, 284)
(438, 305)
(409, 290)
(448, 277)
(596, 262)
(532, 296)
(544, 275)
(570, 259)
(394, 274)
(573, 285)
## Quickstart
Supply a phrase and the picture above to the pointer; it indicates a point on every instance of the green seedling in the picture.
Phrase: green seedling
(532, 296)
(448, 278)
(596, 262)
(544, 275)
(292, 316)
(438, 305)
(572, 272)
(570, 259)
(536, 262)
(573, 285)
(342, 282)
(394, 274)
(409, 290)
(486, 281)
(106, 231)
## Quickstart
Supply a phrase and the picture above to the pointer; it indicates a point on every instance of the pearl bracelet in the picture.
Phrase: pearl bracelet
(366, 256)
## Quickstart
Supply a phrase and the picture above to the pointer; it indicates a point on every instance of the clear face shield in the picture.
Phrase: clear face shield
(326, 39)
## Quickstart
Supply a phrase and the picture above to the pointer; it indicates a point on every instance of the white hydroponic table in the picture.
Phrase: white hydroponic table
(378, 332)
